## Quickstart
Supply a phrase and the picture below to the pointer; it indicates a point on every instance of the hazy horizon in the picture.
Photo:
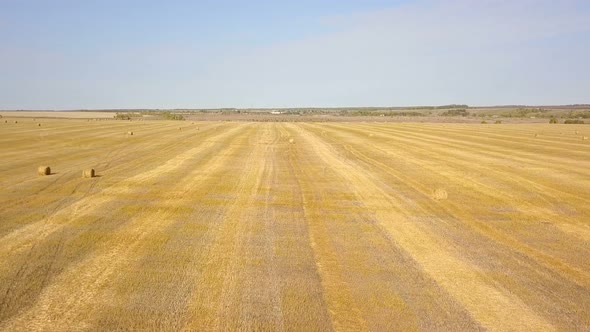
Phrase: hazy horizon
(292, 107)
(69, 55)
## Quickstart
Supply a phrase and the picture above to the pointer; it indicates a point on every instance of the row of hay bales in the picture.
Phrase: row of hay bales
(16, 121)
(46, 170)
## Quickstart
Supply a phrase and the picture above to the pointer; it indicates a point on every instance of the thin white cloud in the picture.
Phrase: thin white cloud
(427, 52)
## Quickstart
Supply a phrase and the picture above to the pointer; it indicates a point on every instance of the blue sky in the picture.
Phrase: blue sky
(71, 54)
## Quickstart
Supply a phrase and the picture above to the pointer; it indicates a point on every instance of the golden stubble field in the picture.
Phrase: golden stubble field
(294, 226)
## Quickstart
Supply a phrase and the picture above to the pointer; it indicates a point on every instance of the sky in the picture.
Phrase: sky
(75, 54)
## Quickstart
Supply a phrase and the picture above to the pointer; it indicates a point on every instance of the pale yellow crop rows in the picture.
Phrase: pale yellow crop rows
(294, 226)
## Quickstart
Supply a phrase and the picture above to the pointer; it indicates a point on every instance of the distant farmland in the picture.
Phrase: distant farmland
(60, 114)
(294, 226)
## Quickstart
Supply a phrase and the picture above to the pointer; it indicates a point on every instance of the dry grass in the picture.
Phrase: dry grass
(429, 227)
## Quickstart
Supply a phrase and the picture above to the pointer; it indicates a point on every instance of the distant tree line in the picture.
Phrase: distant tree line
(455, 112)
(171, 116)
(381, 113)
(126, 116)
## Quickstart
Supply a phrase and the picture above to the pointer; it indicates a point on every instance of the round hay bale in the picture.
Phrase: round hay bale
(15, 121)
(38, 125)
(440, 194)
(130, 133)
(179, 128)
(291, 141)
(88, 173)
(43, 170)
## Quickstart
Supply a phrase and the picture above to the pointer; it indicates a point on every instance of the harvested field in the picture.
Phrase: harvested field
(58, 114)
(294, 226)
